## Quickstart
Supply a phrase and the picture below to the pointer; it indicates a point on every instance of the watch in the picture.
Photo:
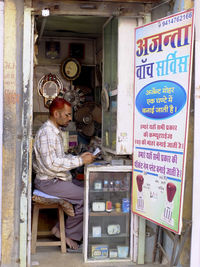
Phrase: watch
(113, 229)
(97, 185)
(70, 69)
(96, 231)
(98, 206)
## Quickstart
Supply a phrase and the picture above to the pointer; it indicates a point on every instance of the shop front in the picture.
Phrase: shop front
(84, 52)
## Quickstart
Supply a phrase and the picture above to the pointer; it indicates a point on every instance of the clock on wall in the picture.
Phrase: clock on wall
(49, 86)
(70, 69)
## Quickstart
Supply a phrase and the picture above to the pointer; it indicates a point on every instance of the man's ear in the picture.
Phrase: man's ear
(55, 114)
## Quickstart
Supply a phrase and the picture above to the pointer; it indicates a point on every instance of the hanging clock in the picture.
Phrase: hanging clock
(105, 99)
(70, 69)
(49, 86)
(75, 96)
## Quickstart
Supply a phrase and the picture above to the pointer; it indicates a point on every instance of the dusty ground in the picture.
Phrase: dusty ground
(52, 257)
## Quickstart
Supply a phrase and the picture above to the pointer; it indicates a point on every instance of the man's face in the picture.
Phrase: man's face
(64, 116)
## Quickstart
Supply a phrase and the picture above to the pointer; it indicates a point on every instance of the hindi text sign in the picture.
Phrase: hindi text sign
(163, 57)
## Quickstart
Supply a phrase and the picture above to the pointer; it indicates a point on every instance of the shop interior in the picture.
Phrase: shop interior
(68, 63)
(75, 41)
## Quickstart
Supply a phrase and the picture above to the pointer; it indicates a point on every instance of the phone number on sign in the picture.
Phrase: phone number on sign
(175, 19)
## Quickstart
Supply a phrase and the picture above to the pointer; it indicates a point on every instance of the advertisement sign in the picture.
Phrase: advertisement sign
(163, 57)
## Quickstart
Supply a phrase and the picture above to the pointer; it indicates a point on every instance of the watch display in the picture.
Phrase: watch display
(108, 219)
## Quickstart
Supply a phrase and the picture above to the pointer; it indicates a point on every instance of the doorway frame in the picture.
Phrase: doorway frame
(27, 120)
(27, 116)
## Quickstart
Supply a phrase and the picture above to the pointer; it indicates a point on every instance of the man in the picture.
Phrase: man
(52, 168)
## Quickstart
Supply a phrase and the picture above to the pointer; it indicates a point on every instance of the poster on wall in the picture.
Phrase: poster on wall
(163, 59)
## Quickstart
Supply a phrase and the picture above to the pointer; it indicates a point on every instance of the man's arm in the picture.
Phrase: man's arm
(49, 150)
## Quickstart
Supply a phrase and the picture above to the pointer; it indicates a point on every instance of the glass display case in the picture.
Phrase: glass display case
(107, 214)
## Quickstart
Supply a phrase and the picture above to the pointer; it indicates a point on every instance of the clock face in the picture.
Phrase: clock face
(71, 69)
(50, 89)
(113, 229)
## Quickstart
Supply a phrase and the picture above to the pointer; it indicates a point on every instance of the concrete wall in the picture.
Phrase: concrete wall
(11, 182)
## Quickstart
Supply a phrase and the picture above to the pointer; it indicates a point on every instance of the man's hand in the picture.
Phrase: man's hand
(87, 158)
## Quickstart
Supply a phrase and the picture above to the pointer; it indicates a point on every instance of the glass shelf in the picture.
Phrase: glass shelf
(112, 213)
(109, 236)
(101, 191)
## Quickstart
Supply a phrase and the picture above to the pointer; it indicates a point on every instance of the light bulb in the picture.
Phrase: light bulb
(45, 12)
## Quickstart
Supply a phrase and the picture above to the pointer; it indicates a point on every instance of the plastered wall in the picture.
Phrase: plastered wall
(11, 181)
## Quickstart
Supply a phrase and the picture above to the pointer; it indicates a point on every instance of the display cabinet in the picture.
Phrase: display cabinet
(107, 214)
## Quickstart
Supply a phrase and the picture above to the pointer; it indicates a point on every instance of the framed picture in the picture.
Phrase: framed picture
(77, 50)
(52, 50)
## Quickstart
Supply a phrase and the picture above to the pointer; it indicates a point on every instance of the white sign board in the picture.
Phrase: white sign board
(163, 58)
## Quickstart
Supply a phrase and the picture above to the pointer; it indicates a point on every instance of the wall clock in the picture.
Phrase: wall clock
(49, 86)
(105, 99)
(70, 69)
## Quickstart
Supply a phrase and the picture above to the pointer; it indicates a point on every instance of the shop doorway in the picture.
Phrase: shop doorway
(59, 40)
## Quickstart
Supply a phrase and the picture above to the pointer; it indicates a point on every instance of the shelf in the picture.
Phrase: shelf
(117, 259)
(112, 213)
(101, 191)
(109, 236)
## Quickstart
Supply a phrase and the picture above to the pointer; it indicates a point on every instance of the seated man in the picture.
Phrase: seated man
(52, 168)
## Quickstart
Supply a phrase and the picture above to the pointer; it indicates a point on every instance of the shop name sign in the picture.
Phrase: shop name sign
(163, 59)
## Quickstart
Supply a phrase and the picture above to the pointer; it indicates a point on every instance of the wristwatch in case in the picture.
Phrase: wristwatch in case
(98, 206)
(113, 229)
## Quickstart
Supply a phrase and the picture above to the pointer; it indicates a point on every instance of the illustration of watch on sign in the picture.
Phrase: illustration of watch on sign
(168, 210)
(49, 87)
(140, 199)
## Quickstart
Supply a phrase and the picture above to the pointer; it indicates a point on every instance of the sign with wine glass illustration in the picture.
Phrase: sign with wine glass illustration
(163, 59)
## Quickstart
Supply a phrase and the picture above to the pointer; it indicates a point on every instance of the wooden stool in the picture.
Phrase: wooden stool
(36, 208)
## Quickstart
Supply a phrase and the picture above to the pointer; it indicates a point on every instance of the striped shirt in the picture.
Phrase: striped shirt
(49, 160)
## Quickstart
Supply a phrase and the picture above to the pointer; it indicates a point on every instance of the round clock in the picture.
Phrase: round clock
(70, 69)
(49, 86)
